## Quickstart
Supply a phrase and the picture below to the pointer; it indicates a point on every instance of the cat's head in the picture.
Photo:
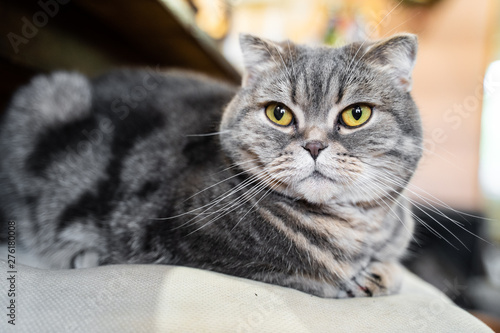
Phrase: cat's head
(321, 123)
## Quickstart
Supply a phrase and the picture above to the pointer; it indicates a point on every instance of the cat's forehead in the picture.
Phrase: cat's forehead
(317, 57)
(321, 78)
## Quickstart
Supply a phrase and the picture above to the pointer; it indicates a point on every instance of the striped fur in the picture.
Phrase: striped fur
(174, 168)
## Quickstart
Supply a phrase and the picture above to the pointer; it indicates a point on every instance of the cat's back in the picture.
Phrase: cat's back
(68, 139)
(65, 97)
(71, 110)
(183, 98)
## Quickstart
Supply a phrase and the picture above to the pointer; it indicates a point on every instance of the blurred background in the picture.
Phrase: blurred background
(456, 86)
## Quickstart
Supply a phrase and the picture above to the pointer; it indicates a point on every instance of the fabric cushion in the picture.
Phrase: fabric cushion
(148, 298)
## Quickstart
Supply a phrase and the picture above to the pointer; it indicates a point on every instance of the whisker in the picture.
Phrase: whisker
(284, 65)
(434, 199)
(219, 198)
(209, 134)
(287, 74)
(291, 60)
(235, 165)
(212, 205)
(366, 190)
(222, 181)
(426, 225)
(393, 180)
(437, 211)
(234, 205)
(433, 153)
(388, 33)
(255, 204)
(363, 43)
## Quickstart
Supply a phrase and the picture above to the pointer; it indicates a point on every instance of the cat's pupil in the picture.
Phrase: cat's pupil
(279, 112)
(357, 112)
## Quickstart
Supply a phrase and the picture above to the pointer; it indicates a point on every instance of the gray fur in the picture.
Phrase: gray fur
(174, 168)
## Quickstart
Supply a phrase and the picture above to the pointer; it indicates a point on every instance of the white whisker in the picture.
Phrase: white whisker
(392, 179)
(216, 200)
(222, 181)
(230, 207)
(349, 70)
(209, 134)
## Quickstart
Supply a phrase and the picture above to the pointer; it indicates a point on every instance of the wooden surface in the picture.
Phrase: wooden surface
(92, 36)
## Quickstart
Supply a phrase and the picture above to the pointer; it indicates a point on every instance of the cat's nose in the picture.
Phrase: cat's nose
(314, 148)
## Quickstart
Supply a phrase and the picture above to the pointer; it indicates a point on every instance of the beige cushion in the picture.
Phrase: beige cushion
(147, 298)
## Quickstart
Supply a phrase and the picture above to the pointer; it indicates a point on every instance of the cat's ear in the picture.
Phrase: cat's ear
(259, 56)
(395, 54)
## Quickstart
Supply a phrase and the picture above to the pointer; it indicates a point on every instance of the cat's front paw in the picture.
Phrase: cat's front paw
(377, 279)
(85, 259)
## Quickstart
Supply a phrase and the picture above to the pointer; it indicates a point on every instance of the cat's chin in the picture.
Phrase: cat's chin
(318, 190)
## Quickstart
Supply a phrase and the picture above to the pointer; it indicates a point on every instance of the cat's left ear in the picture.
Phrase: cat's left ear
(259, 55)
(397, 55)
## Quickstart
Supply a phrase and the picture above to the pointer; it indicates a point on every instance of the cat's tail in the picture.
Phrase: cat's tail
(48, 102)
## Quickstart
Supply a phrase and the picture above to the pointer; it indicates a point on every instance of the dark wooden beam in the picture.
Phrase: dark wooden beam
(164, 32)
(92, 36)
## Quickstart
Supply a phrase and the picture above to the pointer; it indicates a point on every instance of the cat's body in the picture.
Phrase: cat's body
(125, 168)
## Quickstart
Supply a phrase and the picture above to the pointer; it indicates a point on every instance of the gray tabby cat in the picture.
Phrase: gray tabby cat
(299, 185)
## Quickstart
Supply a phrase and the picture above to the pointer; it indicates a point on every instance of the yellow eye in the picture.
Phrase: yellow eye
(279, 114)
(356, 115)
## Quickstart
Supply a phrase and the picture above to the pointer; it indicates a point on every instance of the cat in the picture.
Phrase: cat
(294, 178)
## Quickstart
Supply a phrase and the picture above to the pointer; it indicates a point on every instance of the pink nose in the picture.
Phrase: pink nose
(314, 148)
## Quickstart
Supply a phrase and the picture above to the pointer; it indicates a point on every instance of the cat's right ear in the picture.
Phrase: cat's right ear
(259, 56)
